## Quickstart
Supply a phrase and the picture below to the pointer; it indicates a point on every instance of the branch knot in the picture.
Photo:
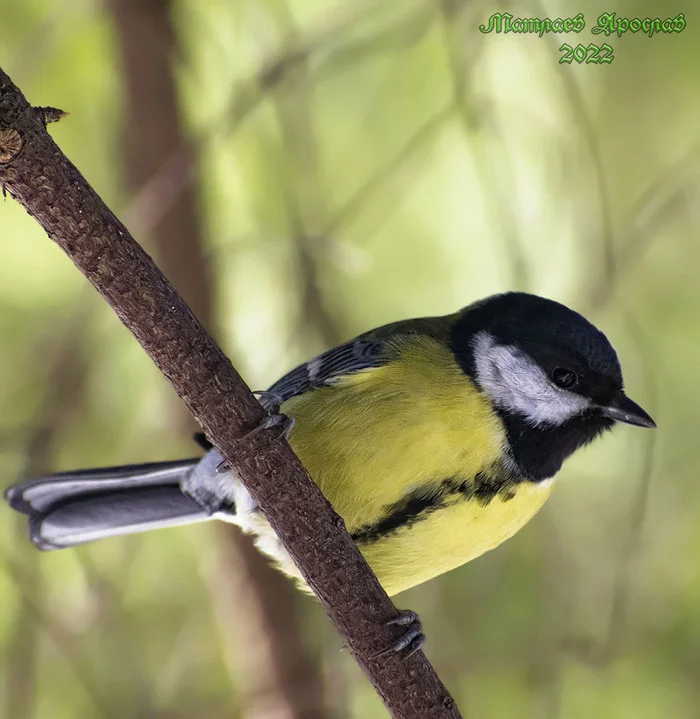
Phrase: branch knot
(10, 144)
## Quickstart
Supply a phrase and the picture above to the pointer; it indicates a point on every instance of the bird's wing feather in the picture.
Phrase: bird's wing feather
(371, 349)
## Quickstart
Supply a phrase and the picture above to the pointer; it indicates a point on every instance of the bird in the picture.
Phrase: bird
(435, 439)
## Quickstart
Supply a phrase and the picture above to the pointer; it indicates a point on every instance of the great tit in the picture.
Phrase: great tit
(435, 439)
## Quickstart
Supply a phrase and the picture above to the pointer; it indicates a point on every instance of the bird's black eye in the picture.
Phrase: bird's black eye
(564, 378)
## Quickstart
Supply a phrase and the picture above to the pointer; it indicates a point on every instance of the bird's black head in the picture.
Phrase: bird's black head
(553, 377)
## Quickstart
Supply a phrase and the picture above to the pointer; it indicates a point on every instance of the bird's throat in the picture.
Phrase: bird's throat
(539, 452)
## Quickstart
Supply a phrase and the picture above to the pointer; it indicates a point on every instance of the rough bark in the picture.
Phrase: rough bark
(37, 174)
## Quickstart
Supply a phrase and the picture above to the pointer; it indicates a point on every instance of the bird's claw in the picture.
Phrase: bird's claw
(410, 641)
(271, 402)
(274, 419)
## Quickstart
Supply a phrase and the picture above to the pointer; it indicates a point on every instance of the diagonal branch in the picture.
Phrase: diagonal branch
(37, 174)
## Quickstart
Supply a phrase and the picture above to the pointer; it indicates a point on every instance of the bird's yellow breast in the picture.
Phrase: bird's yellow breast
(381, 441)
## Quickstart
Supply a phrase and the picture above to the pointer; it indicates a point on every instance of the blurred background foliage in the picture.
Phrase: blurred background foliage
(325, 167)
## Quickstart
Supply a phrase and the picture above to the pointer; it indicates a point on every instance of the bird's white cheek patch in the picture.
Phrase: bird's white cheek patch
(513, 382)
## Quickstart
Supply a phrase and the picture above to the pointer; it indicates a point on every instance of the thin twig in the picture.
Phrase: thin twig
(416, 142)
(497, 196)
(175, 175)
(580, 111)
(61, 637)
(675, 190)
(630, 547)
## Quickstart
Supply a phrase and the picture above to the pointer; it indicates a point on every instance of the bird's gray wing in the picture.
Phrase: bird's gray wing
(371, 349)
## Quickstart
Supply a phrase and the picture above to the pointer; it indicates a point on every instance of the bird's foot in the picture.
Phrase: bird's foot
(284, 421)
(411, 640)
(271, 403)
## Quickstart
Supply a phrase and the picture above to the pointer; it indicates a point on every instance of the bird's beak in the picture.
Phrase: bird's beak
(623, 409)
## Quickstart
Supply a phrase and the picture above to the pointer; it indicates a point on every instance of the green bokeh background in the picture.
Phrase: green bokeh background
(431, 165)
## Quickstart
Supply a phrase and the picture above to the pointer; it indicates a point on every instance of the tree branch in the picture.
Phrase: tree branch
(36, 173)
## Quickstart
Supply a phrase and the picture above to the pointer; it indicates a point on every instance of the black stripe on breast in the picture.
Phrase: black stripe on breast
(421, 502)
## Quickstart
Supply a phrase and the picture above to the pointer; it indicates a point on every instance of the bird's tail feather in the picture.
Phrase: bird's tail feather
(76, 507)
